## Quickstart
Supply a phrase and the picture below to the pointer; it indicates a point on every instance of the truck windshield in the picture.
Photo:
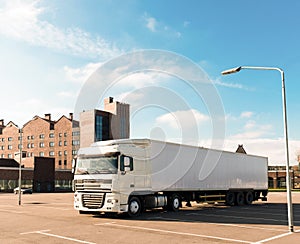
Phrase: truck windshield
(99, 165)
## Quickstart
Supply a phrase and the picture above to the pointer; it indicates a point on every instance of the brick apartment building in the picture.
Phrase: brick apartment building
(41, 137)
(61, 139)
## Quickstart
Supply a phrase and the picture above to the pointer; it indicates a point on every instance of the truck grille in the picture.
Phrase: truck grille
(92, 185)
(93, 201)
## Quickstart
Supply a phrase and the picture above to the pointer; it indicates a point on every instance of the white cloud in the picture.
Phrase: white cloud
(20, 20)
(151, 23)
(66, 94)
(230, 85)
(246, 114)
(154, 25)
(186, 23)
(250, 124)
(81, 74)
(182, 119)
(253, 130)
(274, 149)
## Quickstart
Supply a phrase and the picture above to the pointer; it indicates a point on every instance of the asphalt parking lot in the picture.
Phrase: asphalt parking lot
(50, 218)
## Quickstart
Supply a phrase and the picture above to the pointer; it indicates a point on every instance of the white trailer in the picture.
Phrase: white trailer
(131, 175)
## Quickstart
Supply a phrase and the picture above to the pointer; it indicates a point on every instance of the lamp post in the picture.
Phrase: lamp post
(20, 166)
(288, 180)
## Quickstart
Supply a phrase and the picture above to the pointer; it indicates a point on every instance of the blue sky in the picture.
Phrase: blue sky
(49, 49)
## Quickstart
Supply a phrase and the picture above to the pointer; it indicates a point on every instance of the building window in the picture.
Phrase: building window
(2, 147)
(41, 154)
(42, 144)
(75, 133)
(2, 155)
(59, 162)
(9, 138)
(28, 137)
(65, 152)
(98, 128)
(60, 143)
(2, 139)
(75, 142)
(65, 143)
(19, 146)
(51, 135)
(74, 152)
(101, 128)
(28, 145)
(32, 145)
(60, 134)
(51, 153)
(9, 147)
(65, 162)
(65, 134)
(32, 137)
(51, 144)
(9, 155)
(59, 153)
(42, 136)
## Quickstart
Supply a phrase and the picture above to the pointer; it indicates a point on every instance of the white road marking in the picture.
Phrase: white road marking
(45, 232)
(273, 238)
(252, 227)
(177, 233)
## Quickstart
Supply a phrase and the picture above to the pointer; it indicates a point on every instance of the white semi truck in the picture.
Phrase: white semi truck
(131, 175)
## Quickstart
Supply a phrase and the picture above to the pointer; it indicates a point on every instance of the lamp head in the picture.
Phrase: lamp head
(231, 71)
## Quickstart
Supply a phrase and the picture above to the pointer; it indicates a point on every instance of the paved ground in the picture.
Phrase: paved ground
(50, 218)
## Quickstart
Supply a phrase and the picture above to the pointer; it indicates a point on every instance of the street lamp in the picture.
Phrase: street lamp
(20, 166)
(288, 180)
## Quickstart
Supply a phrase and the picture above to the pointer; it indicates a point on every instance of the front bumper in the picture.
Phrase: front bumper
(98, 202)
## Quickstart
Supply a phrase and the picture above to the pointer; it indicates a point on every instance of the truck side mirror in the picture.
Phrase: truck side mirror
(126, 163)
(73, 165)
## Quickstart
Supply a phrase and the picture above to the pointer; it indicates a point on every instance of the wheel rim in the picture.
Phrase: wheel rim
(134, 207)
(176, 203)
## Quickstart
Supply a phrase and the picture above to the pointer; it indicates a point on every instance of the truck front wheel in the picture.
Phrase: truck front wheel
(134, 207)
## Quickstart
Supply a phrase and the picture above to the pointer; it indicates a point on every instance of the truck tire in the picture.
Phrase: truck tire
(134, 207)
(230, 198)
(239, 198)
(174, 203)
(249, 197)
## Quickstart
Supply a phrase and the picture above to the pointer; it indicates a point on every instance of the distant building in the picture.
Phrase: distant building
(277, 176)
(98, 125)
(240, 149)
(41, 137)
(43, 177)
(61, 139)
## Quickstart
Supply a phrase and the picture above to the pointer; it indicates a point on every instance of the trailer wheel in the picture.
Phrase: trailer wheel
(134, 207)
(239, 199)
(175, 203)
(249, 197)
(230, 198)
